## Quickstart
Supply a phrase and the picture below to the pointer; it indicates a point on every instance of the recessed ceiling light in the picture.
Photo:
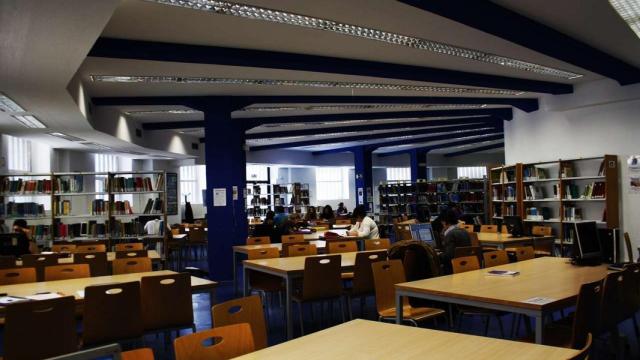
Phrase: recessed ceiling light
(282, 17)
(305, 83)
(95, 145)
(629, 10)
(365, 107)
(8, 105)
(151, 112)
(29, 121)
(65, 136)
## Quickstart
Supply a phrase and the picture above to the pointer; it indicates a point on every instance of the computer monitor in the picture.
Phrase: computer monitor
(514, 225)
(14, 244)
(423, 232)
(586, 245)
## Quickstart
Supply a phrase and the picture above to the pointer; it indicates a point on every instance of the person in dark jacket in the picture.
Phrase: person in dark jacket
(452, 238)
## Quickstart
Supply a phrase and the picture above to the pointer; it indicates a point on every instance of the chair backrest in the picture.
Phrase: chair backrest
(129, 246)
(7, 261)
(97, 261)
(293, 238)
(377, 244)
(585, 319)
(230, 341)
(525, 253)
(584, 351)
(343, 222)
(504, 229)
(403, 232)
(131, 254)
(244, 310)
(19, 275)
(166, 301)
(632, 293)
(613, 310)
(197, 234)
(61, 248)
(385, 275)
(39, 262)
(468, 227)
(495, 258)
(464, 264)
(322, 277)
(300, 250)
(175, 231)
(543, 245)
(473, 238)
(627, 243)
(131, 265)
(266, 253)
(489, 228)
(462, 251)
(40, 329)
(66, 271)
(337, 247)
(541, 230)
(362, 274)
(90, 248)
(112, 312)
(258, 240)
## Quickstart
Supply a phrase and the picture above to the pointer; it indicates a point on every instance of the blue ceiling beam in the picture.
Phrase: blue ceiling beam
(446, 145)
(475, 150)
(377, 136)
(201, 54)
(496, 20)
(371, 127)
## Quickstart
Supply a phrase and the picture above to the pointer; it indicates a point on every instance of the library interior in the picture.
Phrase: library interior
(382, 179)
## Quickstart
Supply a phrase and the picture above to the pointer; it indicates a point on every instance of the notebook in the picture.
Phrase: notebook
(503, 273)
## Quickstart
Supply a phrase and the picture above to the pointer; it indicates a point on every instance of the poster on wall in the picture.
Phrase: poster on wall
(360, 196)
(633, 163)
(219, 197)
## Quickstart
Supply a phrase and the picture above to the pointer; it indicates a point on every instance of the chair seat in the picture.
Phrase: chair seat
(413, 313)
(265, 282)
(137, 354)
(346, 276)
(554, 335)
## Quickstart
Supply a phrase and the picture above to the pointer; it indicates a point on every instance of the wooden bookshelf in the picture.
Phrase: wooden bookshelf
(505, 196)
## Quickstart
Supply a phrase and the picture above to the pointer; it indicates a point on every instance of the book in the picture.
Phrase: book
(503, 273)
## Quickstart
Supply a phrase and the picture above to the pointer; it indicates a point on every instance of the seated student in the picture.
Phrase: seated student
(342, 210)
(452, 238)
(20, 227)
(267, 228)
(311, 215)
(280, 216)
(328, 215)
(364, 227)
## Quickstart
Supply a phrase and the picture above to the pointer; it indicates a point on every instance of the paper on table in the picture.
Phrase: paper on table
(45, 296)
(539, 300)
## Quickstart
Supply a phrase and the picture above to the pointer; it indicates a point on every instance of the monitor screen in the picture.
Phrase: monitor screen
(513, 224)
(587, 240)
(14, 244)
(423, 232)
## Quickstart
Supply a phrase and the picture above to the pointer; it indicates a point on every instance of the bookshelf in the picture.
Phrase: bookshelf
(259, 198)
(506, 195)
(294, 197)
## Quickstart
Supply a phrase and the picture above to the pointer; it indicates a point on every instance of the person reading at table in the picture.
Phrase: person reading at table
(342, 210)
(311, 215)
(452, 238)
(20, 227)
(328, 215)
(364, 227)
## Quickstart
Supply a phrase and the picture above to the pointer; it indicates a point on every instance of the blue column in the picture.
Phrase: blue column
(226, 168)
(362, 158)
(418, 163)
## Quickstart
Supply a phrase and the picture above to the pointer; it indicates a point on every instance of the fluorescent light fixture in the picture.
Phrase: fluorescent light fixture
(8, 105)
(306, 83)
(65, 136)
(282, 17)
(95, 145)
(629, 10)
(29, 121)
(153, 112)
(365, 107)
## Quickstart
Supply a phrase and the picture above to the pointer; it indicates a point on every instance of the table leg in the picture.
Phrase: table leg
(235, 270)
(288, 319)
(212, 298)
(398, 308)
(539, 326)
(245, 280)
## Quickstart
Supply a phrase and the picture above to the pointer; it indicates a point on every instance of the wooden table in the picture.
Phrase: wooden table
(552, 278)
(152, 254)
(502, 241)
(288, 269)
(71, 287)
(364, 339)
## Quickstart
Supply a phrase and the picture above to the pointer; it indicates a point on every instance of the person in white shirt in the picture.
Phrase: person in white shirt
(364, 227)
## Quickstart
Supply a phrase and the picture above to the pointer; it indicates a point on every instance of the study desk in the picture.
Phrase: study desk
(72, 286)
(365, 339)
(554, 281)
(502, 241)
(288, 268)
(111, 255)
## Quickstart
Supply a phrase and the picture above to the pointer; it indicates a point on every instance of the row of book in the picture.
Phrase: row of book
(257, 200)
(295, 200)
(253, 212)
(99, 207)
(154, 206)
(23, 209)
(531, 173)
(537, 213)
(62, 207)
(131, 228)
(567, 170)
(95, 229)
(532, 192)
(572, 213)
(121, 208)
(136, 184)
(594, 190)
(295, 188)
(69, 184)
(451, 197)
(20, 186)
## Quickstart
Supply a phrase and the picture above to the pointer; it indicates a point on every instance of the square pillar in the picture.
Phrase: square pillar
(362, 158)
(418, 164)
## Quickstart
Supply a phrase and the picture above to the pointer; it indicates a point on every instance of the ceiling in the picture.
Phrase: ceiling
(593, 22)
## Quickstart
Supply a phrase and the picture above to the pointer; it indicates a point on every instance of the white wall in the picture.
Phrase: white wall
(600, 118)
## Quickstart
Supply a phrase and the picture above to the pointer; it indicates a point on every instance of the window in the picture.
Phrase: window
(472, 172)
(110, 163)
(399, 174)
(193, 179)
(332, 183)
(19, 151)
(257, 173)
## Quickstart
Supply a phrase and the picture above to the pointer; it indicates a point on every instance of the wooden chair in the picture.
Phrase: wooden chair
(338, 247)
(525, 253)
(403, 232)
(131, 265)
(167, 303)
(343, 222)
(39, 262)
(473, 237)
(90, 248)
(300, 250)
(495, 258)
(129, 246)
(137, 354)
(264, 284)
(21, 275)
(7, 261)
(543, 246)
(464, 251)
(66, 271)
(293, 238)
(541, 230)
(489, 228)
(197, 239)
(112, 312)
(98, 263)
(468, 227)
(385, 275)
(504, 229)
(321, 282)
(244, 310)
(63, 248)
(584, 352)
(362, 283)
(36, 330)
(377, 244)
(131, 254)
(465, 263)
(258, 240)
(231, 341)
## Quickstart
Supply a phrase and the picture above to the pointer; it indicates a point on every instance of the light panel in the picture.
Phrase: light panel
(8, 105)
(282, 17)
(95, 145)
(629, 10)
(29, 121)
(365, 107)
(65, 136)
(304, 83)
